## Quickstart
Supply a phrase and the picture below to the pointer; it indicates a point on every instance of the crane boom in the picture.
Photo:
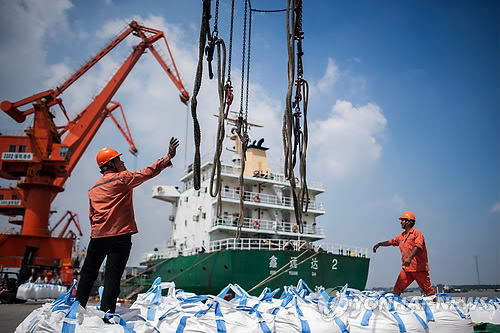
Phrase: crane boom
(50, 96)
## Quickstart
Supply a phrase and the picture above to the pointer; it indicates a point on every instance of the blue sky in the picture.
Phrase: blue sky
(404, 112)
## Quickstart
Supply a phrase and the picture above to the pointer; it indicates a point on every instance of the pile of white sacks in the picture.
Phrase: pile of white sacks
(298, 309)
(40, 290)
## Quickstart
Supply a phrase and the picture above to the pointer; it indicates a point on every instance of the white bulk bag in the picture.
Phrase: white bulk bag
(38, 289)
(152, 304)
(216, 315)
(169, 320)
(76, 319)
(209, 319)
(449, 316)
(66, 315)
(481, 311)
(26, 291)
(495, 317)
(249, 319)
(296, 314)
(243, 312)
(33, 318)
(240, 319)
(384, 314)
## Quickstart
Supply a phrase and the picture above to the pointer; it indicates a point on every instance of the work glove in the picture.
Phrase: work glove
(172, 148)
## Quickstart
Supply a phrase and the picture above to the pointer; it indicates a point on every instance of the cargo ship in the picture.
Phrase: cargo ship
(204, 255)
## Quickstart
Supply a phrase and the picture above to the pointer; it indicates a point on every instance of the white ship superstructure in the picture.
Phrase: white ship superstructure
(268, 207)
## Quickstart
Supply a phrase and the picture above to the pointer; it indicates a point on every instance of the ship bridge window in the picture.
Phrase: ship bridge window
(1, 196)
(12, 148)
(186, 199)
(14, 197)
(226, 188)
(203, 215)
(22, 149)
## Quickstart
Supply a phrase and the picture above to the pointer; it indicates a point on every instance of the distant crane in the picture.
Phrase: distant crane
(477, 269)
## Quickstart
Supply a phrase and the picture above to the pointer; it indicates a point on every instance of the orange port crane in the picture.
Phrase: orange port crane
(43, 159)
(72, 217)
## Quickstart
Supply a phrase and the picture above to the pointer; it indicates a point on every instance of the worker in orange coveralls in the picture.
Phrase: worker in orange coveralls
(413, 255)
(111, 214)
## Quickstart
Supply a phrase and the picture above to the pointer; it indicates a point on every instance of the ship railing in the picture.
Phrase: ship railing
(277, 177)
(162, 254)
(260, 244)
(235, 170)
(284, 244)
(346, 250)
(269, 199)
(260, 224)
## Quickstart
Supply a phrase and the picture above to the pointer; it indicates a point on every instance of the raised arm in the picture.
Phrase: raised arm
(136, 178)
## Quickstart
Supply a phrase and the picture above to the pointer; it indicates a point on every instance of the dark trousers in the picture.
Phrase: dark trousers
(117, 249)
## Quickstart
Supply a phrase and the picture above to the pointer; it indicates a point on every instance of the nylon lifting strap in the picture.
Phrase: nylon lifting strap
(225, 100)
(293, 137)
(204, 31)
(217, 168)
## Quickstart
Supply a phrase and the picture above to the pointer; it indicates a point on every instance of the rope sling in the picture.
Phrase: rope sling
(293, 137)
(204, 31)
(242, 123)
(221, 87)
(225, 101)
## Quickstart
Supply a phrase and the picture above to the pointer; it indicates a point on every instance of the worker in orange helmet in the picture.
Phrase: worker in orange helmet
(111, 214)
(413, 255)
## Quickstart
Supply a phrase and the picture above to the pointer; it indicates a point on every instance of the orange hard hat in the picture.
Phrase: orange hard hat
(408, 216)
(105, 155)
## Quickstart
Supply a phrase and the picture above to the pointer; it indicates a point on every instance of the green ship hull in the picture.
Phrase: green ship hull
(209, 273)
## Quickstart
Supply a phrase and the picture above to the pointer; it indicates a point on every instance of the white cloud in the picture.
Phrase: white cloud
(331, 76)
(339, 83)
(347, 141)
(26, 26)
(496, 208)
